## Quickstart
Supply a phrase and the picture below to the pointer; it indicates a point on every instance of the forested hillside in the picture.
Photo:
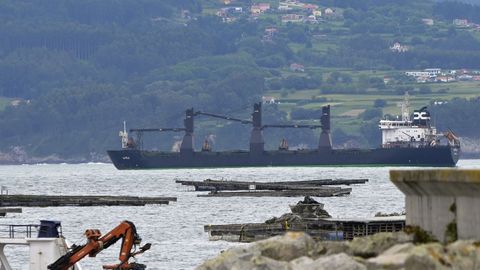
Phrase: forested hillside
(72, 71)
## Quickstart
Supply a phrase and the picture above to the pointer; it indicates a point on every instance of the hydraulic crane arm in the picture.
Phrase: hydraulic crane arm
(96, 243)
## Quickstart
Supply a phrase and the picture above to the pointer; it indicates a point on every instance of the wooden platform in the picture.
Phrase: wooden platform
(99, 200)
(220, 185)
(4, 211)
(316, 188)
(250, 232)
(318, 192)
(319, 229)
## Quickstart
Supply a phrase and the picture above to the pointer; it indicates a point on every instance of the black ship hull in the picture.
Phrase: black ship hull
(439, 156)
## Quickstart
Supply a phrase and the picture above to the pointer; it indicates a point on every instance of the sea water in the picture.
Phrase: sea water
(176, 230)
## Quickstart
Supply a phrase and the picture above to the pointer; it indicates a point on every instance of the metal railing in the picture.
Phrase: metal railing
(18, 231)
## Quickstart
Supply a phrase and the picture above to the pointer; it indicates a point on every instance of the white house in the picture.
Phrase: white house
(397, 47)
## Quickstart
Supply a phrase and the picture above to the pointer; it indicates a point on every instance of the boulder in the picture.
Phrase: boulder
(331, 247)
(299, 263)
(272, 253)
(298, 251)
(428, 257)
(339, 261)
(309, 208)
(229, 258)
(288, 247)
(373, 245)
(392, 259)
(243, 258)
(464, 254)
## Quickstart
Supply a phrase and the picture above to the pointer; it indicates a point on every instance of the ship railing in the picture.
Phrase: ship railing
(18, 231)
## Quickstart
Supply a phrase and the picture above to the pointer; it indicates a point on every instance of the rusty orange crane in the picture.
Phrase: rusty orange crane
(96, 243)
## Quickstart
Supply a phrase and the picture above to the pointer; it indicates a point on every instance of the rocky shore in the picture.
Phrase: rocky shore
(17, 155)
(298, 251)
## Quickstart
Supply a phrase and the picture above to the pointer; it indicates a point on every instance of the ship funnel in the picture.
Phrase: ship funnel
(325, 137)
(421, 117)
(256, 137)
(187, 142)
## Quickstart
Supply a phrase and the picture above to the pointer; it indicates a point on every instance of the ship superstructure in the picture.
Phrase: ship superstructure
(416, 132)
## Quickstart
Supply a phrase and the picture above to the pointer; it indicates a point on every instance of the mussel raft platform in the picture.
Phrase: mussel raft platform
(334, 229)
(223, 188)
(98, 200)
(307, 216)
(4, 211)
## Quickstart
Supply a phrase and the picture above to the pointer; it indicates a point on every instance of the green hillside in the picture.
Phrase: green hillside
(77, 69)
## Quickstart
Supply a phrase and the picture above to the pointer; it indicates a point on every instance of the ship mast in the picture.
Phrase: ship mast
(124, 135)
(405, 108)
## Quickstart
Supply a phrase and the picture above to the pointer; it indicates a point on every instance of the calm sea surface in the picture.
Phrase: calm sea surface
(176, 230)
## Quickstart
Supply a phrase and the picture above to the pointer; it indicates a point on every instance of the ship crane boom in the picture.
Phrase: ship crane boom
(156, 129)
(292, 126)
(223, 117)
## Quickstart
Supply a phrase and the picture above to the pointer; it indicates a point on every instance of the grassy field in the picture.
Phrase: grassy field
(346, 108)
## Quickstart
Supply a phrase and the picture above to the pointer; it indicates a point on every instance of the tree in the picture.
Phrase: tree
(425, 89)
(379, 103)
(370, 114)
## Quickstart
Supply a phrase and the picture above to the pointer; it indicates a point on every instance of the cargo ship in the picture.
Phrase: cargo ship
(405, 142)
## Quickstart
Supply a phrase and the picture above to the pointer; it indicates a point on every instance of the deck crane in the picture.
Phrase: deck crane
(96, 243)
(256, 138)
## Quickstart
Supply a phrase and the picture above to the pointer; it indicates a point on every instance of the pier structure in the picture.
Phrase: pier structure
(443, 202)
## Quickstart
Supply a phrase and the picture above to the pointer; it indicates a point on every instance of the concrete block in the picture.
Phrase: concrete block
(436, 198)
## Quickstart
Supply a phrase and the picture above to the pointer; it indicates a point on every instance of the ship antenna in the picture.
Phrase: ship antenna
(405, 107)
(124, 135)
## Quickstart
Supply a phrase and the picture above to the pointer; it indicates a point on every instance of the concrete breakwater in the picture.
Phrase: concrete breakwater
(442, 232)
(298, 251)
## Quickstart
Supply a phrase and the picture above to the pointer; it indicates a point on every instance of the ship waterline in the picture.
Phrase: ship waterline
(440, 156)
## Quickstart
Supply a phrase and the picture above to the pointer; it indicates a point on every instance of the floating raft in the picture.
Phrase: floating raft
(218, 185)
(318, 192)
(250, 232)
(222, 188)
(45, 200)
(319, 229)
(4, 211)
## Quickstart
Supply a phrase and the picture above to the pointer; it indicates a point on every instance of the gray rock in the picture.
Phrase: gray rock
(428, 257)
(227, 259)
(339, 261)
(288, 247)
(299, 263)
(373, 245)
(298, 251)
(331, 247)
(243, 258)
(399, 248)
(392, 259)
(464, 254)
